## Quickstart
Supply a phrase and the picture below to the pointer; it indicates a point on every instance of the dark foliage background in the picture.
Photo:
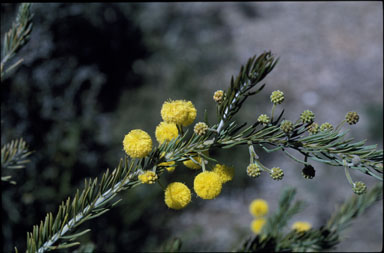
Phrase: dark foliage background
(94, 71)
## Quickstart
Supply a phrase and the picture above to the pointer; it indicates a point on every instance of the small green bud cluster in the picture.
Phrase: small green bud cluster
(200, 128)
(253, 170)
(264, 119)
(326, 127)
(313, 128)
(308, 172)
(359, 188)
(307, 116)
(277, 97)
(286, 126)
(352, 118)
(277, 173)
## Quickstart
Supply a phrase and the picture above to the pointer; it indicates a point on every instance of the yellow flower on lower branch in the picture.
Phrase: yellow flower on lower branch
(192, 165)
(166, 132)
(137, 143)
(301, 226)
(258, 207)
(148, 177)
(177, 195)
(257, 225)
(169, 166)
(207, 185)
(225, 172)
(195, 165)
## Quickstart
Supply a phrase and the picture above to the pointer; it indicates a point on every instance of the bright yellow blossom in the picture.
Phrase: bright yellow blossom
(169, 166)
(207, 185)
(258, 207)
(180, 112)
(257, 225)
(177, 195)
(225, 172)
(137, 143)
(166, 132)
(148, 177)
(301, 226)
(192, 165)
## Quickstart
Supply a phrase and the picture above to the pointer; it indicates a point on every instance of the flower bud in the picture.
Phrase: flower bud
(307, 116)
(277, 173)
(253, 170)
(308, 172)
(200, 128)
(359, 188)
(286, 126)
(352, 118)
(277, 97)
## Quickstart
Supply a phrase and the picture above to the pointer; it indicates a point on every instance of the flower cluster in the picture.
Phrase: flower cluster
(200, 128)
(207, 184)
(352, 118)
(258, 209)
(148, 177)
(277, 97)
(277, 173)
(166, 132)
(180, 112)
(137, 143)
(218, 96)
(326, 127)
(359, 188)
(264, 119)
(307, 116)
(286, 126)
(313, 128)
(301, 226)
(253, 170)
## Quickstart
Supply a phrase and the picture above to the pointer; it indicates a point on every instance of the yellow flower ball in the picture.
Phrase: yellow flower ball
(137, 143)
(148, 177)
(166, 132)
(207, 185)
(192, 165)
(257, 225)
(301, 226)
(258, 207)
(180, 112)
(169, 166)
(177, 195)
(225, 173)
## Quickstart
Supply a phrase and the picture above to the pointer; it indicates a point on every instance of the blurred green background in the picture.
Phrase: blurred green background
(92, 72)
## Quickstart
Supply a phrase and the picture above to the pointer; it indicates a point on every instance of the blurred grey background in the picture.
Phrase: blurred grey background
(94, 71)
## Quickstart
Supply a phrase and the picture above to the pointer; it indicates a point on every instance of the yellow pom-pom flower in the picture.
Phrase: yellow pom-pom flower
(192, 165)
(148, 177)
(180, 112)
(207, 185)
(177, 195)
(166, 132)
(137, 143)
(257, 225)
(225, 173)
(169, 166)
(258, 207)
(301, 226)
